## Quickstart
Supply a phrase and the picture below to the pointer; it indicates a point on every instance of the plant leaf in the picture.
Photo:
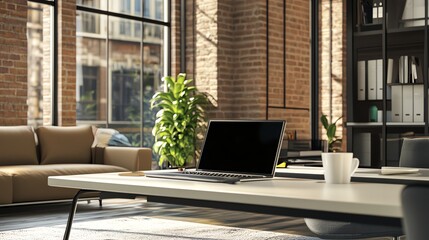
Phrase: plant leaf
(324, 121)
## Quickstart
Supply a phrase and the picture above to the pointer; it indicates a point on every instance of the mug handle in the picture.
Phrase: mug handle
(355, 165)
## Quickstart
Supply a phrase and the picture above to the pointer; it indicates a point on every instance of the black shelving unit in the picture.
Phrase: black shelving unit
(390, 48)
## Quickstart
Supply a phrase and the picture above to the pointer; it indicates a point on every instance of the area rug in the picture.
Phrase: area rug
(142, 228)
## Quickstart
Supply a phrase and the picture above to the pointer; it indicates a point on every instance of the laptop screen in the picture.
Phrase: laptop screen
(242, 146)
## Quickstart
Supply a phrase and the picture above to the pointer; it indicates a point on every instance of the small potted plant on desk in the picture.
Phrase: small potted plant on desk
(180, 114)
(331, 128)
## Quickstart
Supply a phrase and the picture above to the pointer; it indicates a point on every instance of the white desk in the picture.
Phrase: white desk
(361, 175)
(287, 196)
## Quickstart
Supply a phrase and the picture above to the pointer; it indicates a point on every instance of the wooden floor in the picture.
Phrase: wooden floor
(21, 217)
(42, 215)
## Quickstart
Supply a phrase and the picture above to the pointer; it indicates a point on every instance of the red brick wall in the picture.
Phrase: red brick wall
(13, 62)
(298, 69)
(67, 62)
(226, 54)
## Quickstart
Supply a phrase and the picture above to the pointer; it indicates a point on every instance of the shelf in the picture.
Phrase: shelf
(405, 124)
(400, 31)
(389, 124)
(364, 124)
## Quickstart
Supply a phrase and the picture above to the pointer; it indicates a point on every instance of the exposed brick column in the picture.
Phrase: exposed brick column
(248, 58)
(66, 62)
(333, 63)
(13, 62)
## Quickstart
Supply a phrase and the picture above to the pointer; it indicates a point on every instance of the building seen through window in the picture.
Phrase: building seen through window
(120, 62)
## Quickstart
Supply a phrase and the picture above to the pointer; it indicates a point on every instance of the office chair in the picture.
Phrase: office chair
(415, 208)
(415, 153)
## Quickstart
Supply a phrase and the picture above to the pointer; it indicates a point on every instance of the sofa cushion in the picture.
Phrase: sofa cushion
(30, 182)
(17, 146)
(6, 193)
(65, 144)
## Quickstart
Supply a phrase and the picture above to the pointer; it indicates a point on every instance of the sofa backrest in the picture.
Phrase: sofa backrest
(65, 144)
(17, 146)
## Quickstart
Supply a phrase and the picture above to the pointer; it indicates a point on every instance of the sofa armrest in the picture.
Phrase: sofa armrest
(131, 158)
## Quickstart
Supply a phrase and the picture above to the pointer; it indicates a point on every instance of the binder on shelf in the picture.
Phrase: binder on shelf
(375, 12)
(403, 69)
(397, 103)
(372, 79)
(407, 103)
(380, 11)
(379, 77)
(417, 70)
(361, 80)
(389, 78)
(418, 103)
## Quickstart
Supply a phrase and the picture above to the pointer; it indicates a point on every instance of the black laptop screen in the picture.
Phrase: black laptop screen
(242, 146)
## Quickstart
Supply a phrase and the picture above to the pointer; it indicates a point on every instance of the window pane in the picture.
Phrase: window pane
(91, 68)
(153, 57)
(125, 77)
(129, 7)
(97, 4)
(39, 32)
(155, 9)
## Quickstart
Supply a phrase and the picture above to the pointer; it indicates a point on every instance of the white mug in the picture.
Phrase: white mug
(339, 166)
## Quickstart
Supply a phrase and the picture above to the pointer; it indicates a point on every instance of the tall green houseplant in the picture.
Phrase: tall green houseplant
(331, 129)
(180, 113)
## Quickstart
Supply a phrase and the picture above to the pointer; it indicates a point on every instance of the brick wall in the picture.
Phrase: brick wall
(13, 62)
(226, 54)
(67, 62)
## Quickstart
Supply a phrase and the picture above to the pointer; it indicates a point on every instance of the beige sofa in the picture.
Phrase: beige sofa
(28, 157)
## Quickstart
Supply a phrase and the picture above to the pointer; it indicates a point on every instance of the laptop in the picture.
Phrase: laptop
(235, 150)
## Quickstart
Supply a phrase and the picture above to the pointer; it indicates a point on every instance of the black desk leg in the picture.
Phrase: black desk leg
(72, 212)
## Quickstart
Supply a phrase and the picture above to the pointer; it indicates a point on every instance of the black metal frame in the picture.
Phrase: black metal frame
(314, 113)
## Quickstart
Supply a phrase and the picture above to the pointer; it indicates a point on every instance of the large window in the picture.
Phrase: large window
(120, 61)
(40, 59)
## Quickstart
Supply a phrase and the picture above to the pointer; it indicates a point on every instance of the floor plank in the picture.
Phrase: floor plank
(21, 217)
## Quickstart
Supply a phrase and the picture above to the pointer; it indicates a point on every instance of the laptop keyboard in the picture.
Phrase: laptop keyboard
(204, 176)
(218, 174)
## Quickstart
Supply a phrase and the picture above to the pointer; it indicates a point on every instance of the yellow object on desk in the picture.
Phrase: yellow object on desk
(282, 165)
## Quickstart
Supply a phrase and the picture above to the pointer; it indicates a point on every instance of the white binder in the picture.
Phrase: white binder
(407, 103)
(361, 80)
(379, 77)
(418, 103)
(389, 78)
(372, 79)
(397, 103)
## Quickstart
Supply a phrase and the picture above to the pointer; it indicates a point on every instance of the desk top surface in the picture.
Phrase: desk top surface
(361, 174)
(373, 199)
